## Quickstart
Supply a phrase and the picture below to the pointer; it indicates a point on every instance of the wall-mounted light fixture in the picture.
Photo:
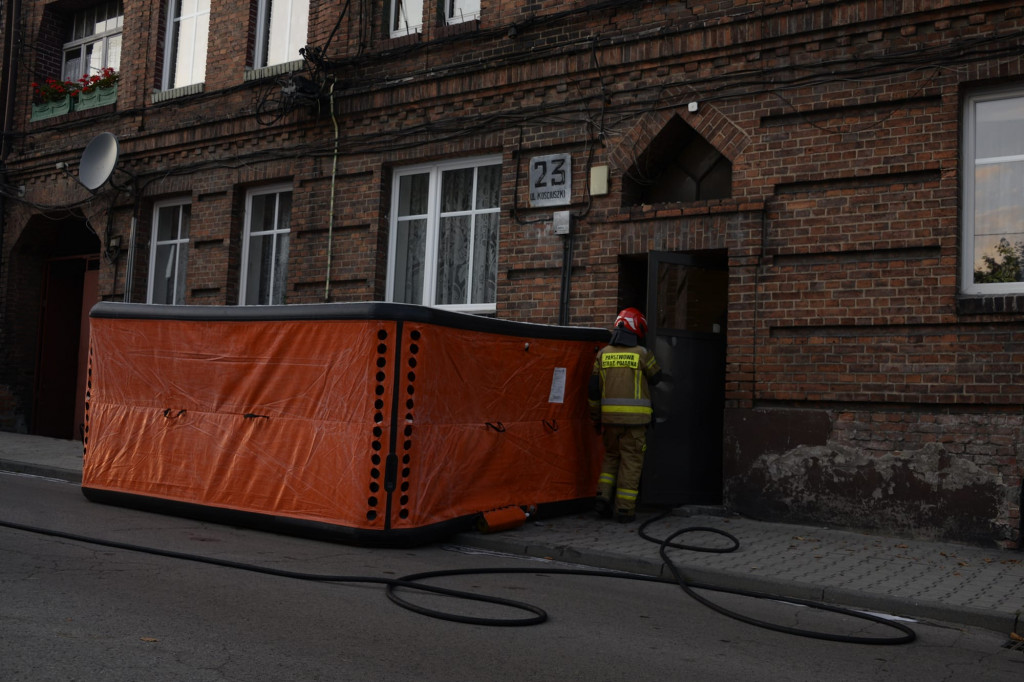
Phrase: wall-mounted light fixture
(113, 247)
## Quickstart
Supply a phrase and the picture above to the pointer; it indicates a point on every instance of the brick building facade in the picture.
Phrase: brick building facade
(802, 195)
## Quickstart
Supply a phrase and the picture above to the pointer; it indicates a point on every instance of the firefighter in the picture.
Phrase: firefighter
(620, 404)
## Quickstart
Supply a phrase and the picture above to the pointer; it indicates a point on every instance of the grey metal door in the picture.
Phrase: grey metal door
(687, 301)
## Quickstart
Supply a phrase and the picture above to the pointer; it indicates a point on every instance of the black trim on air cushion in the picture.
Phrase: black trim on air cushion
(403, 312)
(283, 525)
(316, 530)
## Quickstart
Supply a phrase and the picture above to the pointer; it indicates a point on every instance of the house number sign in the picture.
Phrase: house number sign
(551, 180)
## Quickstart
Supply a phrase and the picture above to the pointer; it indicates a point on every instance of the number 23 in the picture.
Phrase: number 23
(556, 174)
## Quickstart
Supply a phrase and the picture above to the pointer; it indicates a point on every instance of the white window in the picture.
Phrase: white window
(406, 17)
(993, 186)
(168, 254)
(444, 235)
(188, 27)
(265, 245)
(458, 11)
(280, 31)
(94, 40)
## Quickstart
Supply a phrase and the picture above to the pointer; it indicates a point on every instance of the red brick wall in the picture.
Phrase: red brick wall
(841, 121)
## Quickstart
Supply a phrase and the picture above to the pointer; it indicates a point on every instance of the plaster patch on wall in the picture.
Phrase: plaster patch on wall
(928, 492)
(932, 465)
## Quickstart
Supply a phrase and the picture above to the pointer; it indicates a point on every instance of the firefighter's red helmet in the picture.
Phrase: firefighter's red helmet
(632, 320)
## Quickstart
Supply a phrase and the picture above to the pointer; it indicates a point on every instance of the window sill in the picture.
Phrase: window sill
(274, 70)
(164, 95)
(1002, 304)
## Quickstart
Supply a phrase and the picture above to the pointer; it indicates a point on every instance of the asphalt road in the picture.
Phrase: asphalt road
(75, 611)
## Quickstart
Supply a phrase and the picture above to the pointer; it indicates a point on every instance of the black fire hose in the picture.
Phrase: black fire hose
(536, 615)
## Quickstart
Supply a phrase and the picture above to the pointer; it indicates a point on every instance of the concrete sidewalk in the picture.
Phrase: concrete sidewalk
(943, 581)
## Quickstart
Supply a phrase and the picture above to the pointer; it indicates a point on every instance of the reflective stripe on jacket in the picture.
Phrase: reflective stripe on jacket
(625, 395)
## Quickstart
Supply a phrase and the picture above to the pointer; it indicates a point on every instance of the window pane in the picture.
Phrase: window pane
(189, 42)
(453, 261)
(1000, 128)
(183, 63)
(284, 211)
(485, 259)
(410, 252)
(199, 58)
(93, 58)
(408, 16)
(163, 275)
(113, 59)
(180, 274)
(258, 271)
(999, 222)
(413, 191)
(463, 10)
(457, 190)
(488, 187)
(267, 269)
(81, 20)
(280, 274)
(186, 221)
(167, 226)
(262, 218)
(73, 63)
(287, 25)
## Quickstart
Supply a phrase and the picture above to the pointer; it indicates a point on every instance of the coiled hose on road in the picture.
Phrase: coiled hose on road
(535, 614)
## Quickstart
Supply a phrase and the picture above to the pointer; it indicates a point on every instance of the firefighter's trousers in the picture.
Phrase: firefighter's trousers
(624, 448)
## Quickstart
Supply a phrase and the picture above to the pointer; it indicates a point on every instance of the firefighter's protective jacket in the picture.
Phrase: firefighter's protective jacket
(622, 372)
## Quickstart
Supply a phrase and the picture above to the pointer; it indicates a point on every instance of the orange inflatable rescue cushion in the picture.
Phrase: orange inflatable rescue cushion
(375, 423)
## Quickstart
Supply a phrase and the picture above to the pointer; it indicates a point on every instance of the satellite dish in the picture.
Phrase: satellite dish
(98, 161)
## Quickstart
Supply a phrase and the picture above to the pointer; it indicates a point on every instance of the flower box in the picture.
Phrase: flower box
(96, 98)
(50, 109)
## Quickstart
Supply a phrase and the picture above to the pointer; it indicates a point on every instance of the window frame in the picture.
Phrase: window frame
(172, 47)
(433, 218)
(393, 9)
(968, 197)
(454, 16)
(265, 28)
(178, 243)
(248, 234)
(101, 37)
